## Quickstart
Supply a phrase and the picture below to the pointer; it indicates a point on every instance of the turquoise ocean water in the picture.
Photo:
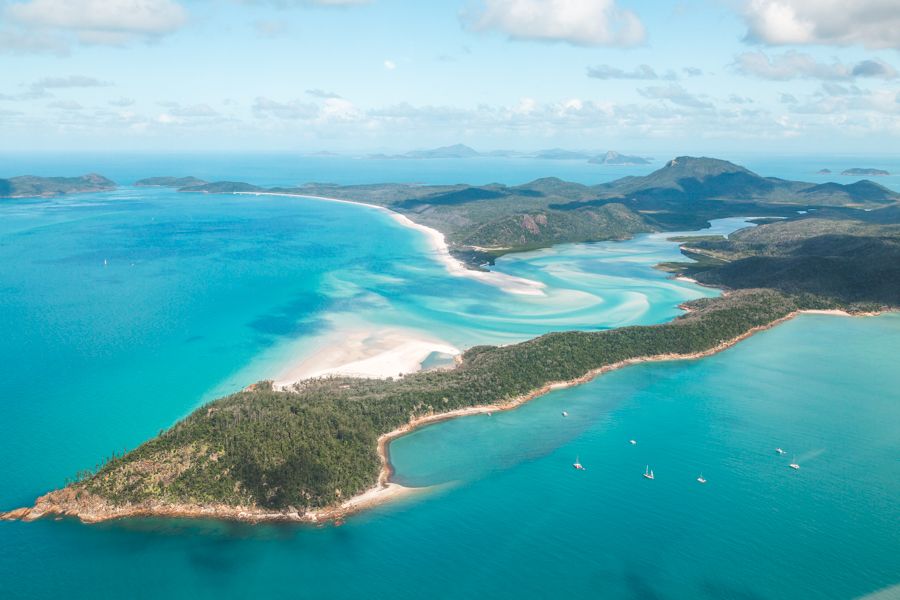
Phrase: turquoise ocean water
(121, 312)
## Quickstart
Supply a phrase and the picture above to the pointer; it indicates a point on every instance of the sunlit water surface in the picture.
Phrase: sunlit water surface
(122, 312)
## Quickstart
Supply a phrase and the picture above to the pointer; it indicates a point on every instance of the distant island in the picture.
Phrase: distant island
(30, 186)
(318, 449)
(857, 172)
(455, 151)
(614, 158)
(481, 223)
(462, 151)
(175, 182)
(823, 172)
(560, 154)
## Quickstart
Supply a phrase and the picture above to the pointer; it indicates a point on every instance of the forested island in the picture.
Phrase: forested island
(300, 454)
(176, 182)
(30, 186)
(859, 172)
(482, 223)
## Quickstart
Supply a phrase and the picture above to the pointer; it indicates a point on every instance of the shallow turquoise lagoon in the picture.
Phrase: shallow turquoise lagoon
(121, 312)
(506, 515)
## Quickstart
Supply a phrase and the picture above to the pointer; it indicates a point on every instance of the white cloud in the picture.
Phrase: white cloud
(838, 100)
(333, 110)
(194, 110)
(578, 22)
(289, 3)
(524, 123)
(797, 65)
(72, 81)
(65, 105)
(788, 99)
(105, 22)
(19, 40)
(121, 102)
(41, 88)
(871, 23)
(390, 65)
(339, 109)
(323, 94)
(676, 95)
(295, 109)
(639, 72)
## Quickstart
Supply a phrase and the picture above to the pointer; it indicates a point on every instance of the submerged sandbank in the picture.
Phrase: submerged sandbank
(438, 243)
(366, 352)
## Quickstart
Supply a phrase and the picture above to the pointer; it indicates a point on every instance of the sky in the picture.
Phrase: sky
(793, 76)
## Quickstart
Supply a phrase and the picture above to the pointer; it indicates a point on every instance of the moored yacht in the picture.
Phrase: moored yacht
(648, 474)
(577, 465)
(794, 464)
(780, 452)
(701, 478)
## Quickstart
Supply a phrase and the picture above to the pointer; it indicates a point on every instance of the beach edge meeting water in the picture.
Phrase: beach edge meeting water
(89, 508)
(193, 453)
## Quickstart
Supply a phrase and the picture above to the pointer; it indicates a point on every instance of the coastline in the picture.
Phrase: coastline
(364, 352)
(92, 509)
(372, 495)
(438, 243)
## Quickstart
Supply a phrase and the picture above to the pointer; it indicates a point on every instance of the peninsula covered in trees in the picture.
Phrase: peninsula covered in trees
(301, 453)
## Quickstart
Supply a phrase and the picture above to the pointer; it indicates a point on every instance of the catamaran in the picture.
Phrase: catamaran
(794, 464)
(577, 464)
(701, 479)
(648, 474)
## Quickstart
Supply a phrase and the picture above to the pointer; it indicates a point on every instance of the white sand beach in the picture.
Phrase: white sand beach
(361, 352)
(508, 283)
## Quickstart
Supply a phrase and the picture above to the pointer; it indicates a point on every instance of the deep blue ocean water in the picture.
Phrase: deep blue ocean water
(122, 312)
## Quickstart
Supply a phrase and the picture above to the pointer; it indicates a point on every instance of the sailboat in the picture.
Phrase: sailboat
(565, 413)
(648, 474)
(577, 464)
(632, 442)
(794, 464)
(701, 479)
(780, 451)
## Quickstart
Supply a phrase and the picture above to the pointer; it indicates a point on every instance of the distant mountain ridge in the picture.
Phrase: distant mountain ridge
(463, 151)
(482, 222)
(688, 178)
(614, 158)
